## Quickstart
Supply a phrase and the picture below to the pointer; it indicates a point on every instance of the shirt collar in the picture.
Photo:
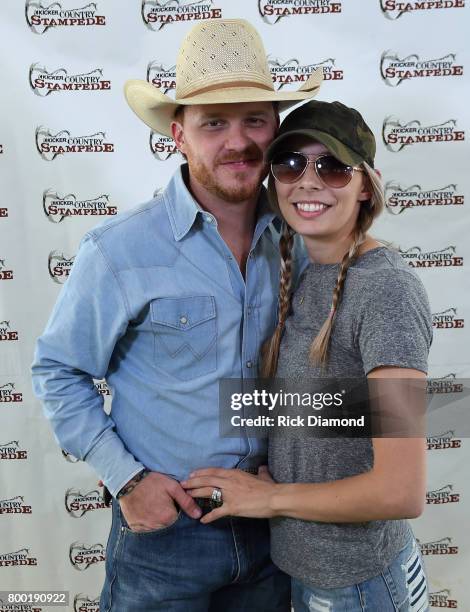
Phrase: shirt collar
(183, 209)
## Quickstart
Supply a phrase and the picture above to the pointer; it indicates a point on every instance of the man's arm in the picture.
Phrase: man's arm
(89, 317)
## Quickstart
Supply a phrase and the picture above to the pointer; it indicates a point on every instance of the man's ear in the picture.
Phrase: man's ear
(177, 133)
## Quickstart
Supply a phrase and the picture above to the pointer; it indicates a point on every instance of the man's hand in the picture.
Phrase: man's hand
(151, 505)
(242, 494)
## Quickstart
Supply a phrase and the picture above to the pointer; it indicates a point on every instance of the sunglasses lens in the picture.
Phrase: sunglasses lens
(288, 167)
(333, 172)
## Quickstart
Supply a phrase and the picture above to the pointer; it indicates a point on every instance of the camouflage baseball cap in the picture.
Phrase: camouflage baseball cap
(340, 128)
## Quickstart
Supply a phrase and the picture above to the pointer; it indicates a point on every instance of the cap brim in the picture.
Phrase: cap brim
(157, 109)
(335, 146)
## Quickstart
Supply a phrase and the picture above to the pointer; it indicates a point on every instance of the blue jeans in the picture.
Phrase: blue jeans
(401, 587)
(191, 567)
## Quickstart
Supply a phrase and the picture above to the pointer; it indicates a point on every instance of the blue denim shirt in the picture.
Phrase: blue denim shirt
(157, 305)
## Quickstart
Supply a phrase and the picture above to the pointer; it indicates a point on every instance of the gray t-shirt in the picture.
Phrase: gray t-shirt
(383, 320)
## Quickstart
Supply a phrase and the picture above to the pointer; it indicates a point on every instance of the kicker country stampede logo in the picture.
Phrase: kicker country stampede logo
(399, 198)
(162, 147)
(23, 607)
(15, 505)
(81, 556)
(9, 395)
(50, 145)
(158, 13)
(447, 319)
(77, 503)
(57, 207)
(415, 257)
(444, 384)
(273, 10)
(444, 495)
(19, 557)
(395, 69)
(439, 547)
(12, 451)
(397, 135)
(161, 77)
(394, 9)
(59, 266)
(102, 387)
(42, 17)
(43, 82)
(442, 599)
(82, 603)
(291, 71)
(8, 607)
(443, 441)
(14, 607)
(4, 273)
(7, 334)
(438, 386)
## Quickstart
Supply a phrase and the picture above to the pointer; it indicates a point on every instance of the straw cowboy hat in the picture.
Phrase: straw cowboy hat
(219, 61)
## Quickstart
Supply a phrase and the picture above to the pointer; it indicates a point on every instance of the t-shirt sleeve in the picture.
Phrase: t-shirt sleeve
(394, 327)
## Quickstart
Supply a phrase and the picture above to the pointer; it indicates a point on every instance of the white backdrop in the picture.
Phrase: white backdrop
(402, 64)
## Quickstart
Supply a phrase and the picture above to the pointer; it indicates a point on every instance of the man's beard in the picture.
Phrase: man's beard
(239, 192)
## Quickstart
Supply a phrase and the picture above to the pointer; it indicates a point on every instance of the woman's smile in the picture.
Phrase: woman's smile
(310, 209)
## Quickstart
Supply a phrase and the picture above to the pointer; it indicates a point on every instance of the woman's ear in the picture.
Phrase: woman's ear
(366, 189)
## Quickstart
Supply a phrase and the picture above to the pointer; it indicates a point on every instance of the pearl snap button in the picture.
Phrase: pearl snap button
(183, 320)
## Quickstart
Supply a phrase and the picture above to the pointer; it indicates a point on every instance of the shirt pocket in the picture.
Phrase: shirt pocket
(185, 335)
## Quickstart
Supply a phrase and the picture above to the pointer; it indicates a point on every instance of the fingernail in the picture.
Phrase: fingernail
(192, 474)
(197, 512)
(183, 482)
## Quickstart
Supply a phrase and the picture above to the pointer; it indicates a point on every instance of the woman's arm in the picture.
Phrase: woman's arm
(394, 488)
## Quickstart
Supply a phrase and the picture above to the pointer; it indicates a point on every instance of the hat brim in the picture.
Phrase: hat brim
(335, 146)
(157, 110)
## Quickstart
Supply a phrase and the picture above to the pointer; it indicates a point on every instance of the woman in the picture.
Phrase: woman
(338, 505)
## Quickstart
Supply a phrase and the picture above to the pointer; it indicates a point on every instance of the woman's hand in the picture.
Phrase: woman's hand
(242, 494)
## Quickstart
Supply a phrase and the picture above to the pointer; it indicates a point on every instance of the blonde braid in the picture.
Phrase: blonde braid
(320, 345)
(270, 350)
(367, 213)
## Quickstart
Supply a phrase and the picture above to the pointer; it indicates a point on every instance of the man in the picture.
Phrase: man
(164, 301)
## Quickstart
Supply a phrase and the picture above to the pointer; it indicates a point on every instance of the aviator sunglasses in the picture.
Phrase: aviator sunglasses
(290, 166)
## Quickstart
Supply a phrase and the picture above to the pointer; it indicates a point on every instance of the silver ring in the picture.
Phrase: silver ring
(216, 497)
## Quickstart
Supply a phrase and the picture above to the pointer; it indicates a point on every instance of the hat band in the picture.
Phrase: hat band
(218, 86)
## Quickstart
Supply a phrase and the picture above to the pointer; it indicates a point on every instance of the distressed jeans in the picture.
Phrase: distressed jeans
(401, 587)
(190, 567)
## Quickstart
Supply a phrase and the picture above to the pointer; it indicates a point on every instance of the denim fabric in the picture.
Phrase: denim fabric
(191, 567)
(156, 303)
(401, 587)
